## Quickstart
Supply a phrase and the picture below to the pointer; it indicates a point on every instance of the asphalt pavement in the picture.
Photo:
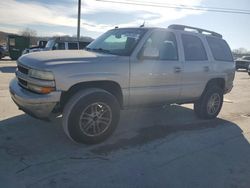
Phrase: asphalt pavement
(152, 147)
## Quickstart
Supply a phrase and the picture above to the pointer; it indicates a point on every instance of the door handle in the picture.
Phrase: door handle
(206, 69)
(177, 69)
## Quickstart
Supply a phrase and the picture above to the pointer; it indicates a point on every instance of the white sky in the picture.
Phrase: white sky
(49, 17)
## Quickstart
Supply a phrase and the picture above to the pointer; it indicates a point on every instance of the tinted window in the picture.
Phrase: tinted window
(60, 46)
(164, 43)
(193, 48)
(73, 46)
(220, 49)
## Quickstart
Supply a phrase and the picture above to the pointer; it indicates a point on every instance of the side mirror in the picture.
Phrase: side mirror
(150, 53)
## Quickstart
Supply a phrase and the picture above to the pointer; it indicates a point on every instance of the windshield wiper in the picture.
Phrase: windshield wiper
(98, 50)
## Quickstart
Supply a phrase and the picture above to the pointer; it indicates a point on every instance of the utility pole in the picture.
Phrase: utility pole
(79, 20)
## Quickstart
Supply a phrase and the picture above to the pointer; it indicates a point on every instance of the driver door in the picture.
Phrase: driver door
(155, 76)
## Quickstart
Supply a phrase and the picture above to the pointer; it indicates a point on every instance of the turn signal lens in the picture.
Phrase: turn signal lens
(46, 90)
(41, 89)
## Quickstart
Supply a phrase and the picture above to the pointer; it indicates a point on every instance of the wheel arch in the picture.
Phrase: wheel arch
(110, 86)
(216, 82)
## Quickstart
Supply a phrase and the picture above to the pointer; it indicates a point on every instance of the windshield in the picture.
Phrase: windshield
(246, 57)
(117, 41)
(50, 44)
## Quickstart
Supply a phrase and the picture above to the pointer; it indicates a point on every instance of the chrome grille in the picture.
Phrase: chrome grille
(22, 69)
(25, 71)
(22, 83)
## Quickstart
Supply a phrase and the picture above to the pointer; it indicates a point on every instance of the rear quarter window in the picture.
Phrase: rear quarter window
(219, 49)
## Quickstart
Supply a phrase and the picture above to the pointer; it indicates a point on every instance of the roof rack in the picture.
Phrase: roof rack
(199, 30)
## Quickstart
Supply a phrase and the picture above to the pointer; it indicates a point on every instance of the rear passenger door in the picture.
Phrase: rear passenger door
(196, 66)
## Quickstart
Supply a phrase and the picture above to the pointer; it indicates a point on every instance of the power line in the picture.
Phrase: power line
(201, 7)
(185, 7)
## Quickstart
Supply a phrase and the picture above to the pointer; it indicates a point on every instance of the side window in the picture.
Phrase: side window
(12, 42)
(220, 49)
(193, 48)
(73, 46)
(60, 46)
(164, 44)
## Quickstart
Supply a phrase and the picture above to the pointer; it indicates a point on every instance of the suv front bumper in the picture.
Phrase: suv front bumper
(36, 105)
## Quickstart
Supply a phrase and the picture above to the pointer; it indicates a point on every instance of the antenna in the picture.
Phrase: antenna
(143, 24)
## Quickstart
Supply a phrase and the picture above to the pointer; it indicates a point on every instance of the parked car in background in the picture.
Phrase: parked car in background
(39, 47)
(61, 44)
(3, 51)
(243, 62)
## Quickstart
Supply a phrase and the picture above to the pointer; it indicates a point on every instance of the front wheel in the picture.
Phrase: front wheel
(91, 116)
(210, 103)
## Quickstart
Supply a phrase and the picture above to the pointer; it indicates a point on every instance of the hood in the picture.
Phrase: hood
(47, 59)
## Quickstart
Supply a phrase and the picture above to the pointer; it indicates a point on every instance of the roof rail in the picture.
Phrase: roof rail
(199, 30)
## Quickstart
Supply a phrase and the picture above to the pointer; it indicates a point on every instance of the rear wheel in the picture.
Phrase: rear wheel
(210, 103)
(91, 116)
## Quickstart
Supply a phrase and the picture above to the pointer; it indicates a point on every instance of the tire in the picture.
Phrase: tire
(90, 116)
(1, 56)
(249, 73)
(210, 103)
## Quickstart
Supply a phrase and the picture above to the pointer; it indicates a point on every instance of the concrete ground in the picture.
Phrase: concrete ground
(161, 147)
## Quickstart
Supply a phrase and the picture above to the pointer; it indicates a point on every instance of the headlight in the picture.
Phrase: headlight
(43, 75)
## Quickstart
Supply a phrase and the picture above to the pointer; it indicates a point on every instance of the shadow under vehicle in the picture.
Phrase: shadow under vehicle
(164, 149)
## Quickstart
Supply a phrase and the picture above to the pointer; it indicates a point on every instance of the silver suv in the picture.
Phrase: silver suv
(125, 67)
